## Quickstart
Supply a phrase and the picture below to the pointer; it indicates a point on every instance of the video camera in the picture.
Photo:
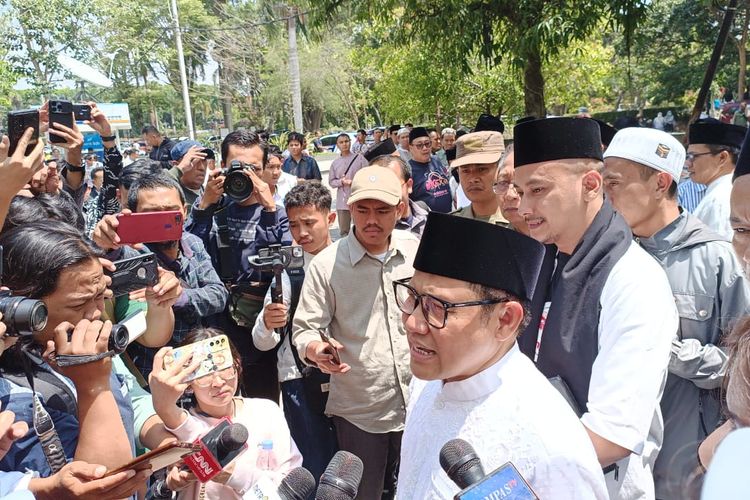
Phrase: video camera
(237, 185)
(21, 315)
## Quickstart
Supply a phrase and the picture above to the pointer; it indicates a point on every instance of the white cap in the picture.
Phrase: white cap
(650, 147)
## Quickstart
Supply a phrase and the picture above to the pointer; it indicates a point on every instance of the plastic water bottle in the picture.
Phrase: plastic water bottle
(266, 456)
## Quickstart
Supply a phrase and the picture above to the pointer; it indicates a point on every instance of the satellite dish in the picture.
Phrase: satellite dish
(83, 72)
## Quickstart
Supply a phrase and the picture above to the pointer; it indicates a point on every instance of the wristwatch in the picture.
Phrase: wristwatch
(108, 138)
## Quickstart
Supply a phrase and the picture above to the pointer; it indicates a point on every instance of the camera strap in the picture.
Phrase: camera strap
(227, 271)
(296, 287)
(80, 359)
(44, 427)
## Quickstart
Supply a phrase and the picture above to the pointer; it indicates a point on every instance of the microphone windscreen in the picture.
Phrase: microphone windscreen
(299, 484)
(340, 481)
(459, 460)
(233, 437)
(727, 477)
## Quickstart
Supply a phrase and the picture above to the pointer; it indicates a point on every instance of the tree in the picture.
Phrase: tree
(526, 32)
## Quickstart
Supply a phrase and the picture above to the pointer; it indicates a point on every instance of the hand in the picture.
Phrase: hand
(10, 430)
(178, 480)
(88, 337)
(44, 118)
(73, 137)
(166, 292)
(85, 481)
(99, 121)
(320, 353)
(138, 295)
(168, 384)
(214, 189)
(195, 153)
(274, 315)
(16, 171)
(262, 190)
(346, 182)
(105, 233)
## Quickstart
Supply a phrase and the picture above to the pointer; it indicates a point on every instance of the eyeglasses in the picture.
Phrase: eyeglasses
(422, 145)
(692, 156)
(227, 375)
(434, 310)
(503, 187)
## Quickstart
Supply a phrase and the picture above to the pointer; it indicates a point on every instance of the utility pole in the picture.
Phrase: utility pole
(294, 78)
(183, 73)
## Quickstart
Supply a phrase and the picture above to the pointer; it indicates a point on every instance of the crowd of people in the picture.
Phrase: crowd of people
(571, 303)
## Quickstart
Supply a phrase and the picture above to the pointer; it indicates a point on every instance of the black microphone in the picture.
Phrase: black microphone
(299, 484)
(459, 460)
(219, 446)
(340, 481)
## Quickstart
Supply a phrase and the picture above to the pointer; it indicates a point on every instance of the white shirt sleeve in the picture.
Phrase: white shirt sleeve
(637, 324)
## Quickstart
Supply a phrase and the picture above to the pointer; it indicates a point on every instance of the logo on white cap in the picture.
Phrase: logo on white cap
(662, 150)
(372, 178)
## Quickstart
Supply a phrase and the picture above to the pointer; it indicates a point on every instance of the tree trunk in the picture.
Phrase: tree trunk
(294, 79)
(533, 82)
(225, 97)
(742, 53)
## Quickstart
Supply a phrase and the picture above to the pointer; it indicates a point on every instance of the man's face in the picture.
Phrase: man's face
(508, 200)
(90, 160)
(378, 135)
(552, 201)
(704, 168)
(295, 148)
(361, 138)
(79, 295)
(249, 156)
(98, 179)
(152, 140)
(740, 220)
(374, 221)
(629, 193)
(420, 149)
(394, 137)
(469, 342)
(435, 138)
(449, 141)
(161, 199)
(309, 227)
(272, 172)
(344, 144)
(477, 180)
(403, 141)
(194, 177)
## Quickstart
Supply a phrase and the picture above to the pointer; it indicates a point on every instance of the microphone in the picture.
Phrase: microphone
(459, 460)
(299, 484)
(340, 481)
(727, 477)
(219, 446)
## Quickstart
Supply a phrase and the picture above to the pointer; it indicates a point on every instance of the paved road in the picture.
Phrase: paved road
(325, 166)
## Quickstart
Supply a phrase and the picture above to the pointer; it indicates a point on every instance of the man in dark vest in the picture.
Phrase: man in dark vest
(603, 316)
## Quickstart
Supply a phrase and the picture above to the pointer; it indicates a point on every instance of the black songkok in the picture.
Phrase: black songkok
(549, 139)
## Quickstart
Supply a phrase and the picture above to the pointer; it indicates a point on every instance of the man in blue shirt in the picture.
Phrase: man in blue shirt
(431, 178)
(302, 166)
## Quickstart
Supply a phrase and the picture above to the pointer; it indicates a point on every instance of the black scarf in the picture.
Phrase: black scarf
(570, 339)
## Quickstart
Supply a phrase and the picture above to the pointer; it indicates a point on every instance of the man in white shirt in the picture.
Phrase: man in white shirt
(462, 311)
(711, 157)
(603, 315)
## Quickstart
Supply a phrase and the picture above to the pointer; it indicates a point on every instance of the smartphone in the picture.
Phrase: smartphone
(331, 348)
(61, 112)
(133, 274)
(18, 122)
(82, 112)
(215, 352)
(157, 459)
(148, 227)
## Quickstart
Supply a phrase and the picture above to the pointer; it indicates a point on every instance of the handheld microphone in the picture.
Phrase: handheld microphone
(340, 481)
(459, 460)
(219, 446)
(299, 484)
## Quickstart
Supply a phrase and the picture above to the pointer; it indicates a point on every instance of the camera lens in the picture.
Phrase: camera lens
(237, 185)
(118, 339)
(23, 316)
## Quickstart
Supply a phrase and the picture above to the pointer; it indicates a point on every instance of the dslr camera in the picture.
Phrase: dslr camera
(21, 315)
(237, 185)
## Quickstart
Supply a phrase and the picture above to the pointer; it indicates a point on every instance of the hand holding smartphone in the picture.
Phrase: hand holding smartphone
(60, 111)
(331, 349)
(215, 353)
(18, 123)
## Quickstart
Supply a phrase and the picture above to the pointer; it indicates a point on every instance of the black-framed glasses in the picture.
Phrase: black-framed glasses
(422, 145)
(435, 310)
(692, 156)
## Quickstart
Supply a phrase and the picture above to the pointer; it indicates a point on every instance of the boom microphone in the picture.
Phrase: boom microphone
(219, 446)
(340, 481)
(459, 460)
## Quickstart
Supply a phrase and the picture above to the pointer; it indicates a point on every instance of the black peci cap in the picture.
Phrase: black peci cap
(489, 122)
(606, 130)
(743, 162)
(488, 255)
(385, 147)
(549, 139)
(713, 132)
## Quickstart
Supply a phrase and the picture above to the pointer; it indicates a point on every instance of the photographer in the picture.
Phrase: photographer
(190, 171)
(202, 295)
(50, 262)
(234, 230)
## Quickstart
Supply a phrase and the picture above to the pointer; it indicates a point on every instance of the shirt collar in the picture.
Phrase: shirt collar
(483, 383)
(357, 251)
(721, 181)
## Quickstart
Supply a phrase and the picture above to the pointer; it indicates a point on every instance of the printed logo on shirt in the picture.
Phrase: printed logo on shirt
(435, 181)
